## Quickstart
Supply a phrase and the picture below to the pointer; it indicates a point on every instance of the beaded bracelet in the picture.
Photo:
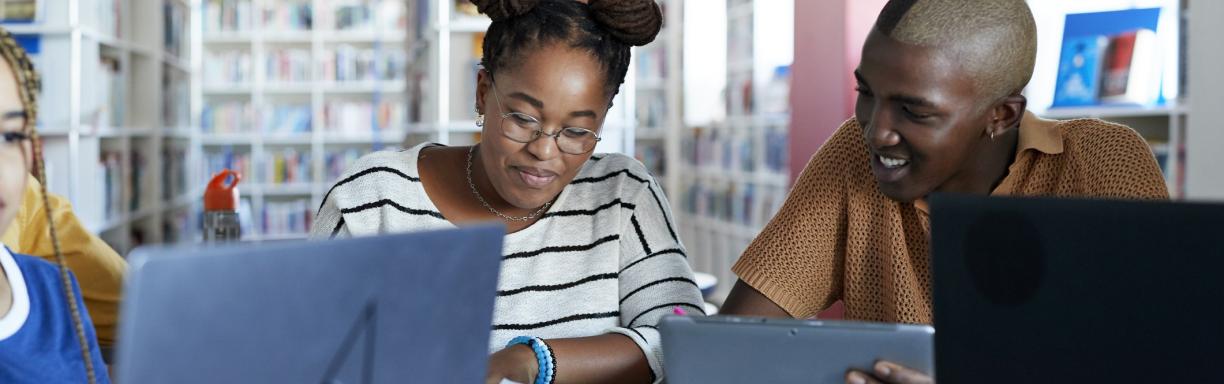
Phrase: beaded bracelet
(544, 355)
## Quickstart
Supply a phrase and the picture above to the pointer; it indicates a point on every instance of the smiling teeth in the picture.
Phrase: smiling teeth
(893, 163)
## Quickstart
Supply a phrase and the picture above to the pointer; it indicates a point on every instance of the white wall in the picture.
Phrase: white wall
(1205, 132)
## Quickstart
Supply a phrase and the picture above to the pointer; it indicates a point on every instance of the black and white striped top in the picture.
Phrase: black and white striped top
(604, 258)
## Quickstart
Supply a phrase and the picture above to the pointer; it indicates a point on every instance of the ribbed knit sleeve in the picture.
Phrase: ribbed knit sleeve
(655, 276)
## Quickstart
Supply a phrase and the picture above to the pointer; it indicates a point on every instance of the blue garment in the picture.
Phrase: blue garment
(45, 348)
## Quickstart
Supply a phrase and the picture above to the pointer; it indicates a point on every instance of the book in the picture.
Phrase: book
(1111, 57)
(357, 117)
(227, 67)
(286, 119)
(1079, 71)
(1130, 72)
(226, 16)
(227, 117)
(288, 16)
(288, 65)
(20, 11)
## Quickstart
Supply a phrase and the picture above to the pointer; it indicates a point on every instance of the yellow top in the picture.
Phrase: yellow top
(99, 270)
(837, 237)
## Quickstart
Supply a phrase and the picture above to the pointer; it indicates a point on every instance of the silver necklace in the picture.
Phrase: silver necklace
(472, 185)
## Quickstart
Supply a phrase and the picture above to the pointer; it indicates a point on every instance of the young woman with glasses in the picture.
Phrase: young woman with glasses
(591, 257)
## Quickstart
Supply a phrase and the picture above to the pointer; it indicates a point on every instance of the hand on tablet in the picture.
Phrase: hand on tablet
(887, 372)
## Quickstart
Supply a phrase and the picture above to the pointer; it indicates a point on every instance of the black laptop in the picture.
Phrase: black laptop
(1044, 290)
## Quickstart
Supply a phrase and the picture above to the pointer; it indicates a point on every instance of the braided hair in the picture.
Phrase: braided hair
(604, 28)
(28, 86)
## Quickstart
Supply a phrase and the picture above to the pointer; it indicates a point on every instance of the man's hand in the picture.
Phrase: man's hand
(887, 372)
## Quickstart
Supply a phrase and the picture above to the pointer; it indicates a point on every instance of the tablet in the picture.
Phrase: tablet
(731, 349)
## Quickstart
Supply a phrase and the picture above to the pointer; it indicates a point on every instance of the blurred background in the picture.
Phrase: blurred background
(143, 100)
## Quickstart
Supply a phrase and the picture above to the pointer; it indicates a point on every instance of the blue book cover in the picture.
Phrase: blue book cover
(1079, 71)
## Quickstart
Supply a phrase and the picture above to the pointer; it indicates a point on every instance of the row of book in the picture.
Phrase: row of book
(651, 110)
(113, 181)
(738, 151)
(174, 28)
(652, 155)
(227, 117)
(363, 116)
(227, 67)
(176, 95)
(110, 94)
(288, 166)
(240, 15)
(341, 116)
(722, 150)
(290, 217)
(287, 15)
(285, 119)
(288, 65)
(285, 167)
(174, 173)
(743, 204)
(383, 15)
(227, 15)
(351, 63)
(1112, 57)
(651, 63)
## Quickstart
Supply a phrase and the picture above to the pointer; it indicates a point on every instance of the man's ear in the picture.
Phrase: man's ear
(483, 79)
(1006, 114)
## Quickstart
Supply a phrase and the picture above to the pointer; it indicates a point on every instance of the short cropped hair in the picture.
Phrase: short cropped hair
(995, 40)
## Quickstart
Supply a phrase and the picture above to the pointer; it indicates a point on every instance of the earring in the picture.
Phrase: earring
(992, 135)
(480, 118)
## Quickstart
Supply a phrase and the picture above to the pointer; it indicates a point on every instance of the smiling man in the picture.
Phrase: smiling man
(939, 109)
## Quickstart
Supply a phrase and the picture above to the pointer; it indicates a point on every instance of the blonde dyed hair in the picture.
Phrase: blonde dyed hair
(994, 40)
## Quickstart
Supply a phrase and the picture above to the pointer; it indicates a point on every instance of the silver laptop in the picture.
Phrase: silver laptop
(731, 349)
(401, 308)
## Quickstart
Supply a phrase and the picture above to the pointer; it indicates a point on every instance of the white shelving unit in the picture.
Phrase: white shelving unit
(445, 55)
(1163, 126)
(115, 89)
(282, 115)
(655, 80)
(733, 174)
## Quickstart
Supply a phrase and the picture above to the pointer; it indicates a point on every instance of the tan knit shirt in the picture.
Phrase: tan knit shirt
(838, 237)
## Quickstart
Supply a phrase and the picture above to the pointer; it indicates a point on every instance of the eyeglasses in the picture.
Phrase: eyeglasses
(524, 128)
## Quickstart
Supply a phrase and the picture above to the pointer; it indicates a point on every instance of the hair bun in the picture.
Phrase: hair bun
(504, 9)
(634, 22)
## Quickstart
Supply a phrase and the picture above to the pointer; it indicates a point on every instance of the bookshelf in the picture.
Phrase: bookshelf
(733, 172)
(658, 87)
(444, 56)
(114, 107)
(292, 92)
(1162, 124)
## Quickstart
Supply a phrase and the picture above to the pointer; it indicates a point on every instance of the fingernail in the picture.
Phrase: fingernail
(883, 369)
(856, 378)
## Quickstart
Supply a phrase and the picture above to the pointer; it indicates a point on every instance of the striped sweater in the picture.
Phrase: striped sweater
(604, 258)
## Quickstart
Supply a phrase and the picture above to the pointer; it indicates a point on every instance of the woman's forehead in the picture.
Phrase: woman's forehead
(562, 78)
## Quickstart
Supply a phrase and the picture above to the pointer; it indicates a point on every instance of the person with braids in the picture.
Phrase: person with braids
(46, 335)
(100, 269)
(940, 109)
(591, 256)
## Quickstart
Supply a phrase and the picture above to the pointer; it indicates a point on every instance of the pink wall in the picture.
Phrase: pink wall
(829, 38)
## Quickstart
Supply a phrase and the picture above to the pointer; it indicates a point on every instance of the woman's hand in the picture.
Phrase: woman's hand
(887, 372)
(516, 363)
